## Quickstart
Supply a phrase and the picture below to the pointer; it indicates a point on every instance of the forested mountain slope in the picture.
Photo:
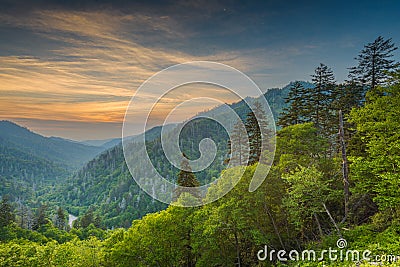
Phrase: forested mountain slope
(106, 184)
(32, 165)
(64, 152)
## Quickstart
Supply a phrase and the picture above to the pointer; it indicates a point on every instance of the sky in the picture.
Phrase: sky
(70, 68)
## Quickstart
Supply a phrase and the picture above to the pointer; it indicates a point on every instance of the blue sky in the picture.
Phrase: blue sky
(69, 68)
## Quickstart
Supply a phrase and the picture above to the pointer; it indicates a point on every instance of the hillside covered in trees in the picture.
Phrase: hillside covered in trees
(335, 176)
(105, 186)
(33, 166)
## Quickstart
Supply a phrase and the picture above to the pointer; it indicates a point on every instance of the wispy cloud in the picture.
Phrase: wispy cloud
(94, 73)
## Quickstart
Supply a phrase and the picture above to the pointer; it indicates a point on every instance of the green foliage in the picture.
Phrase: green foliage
(159, 239)
(106, 187)
(74, 253)
(230, 230)
(53, 233)
(60, 219)
(296, 112)
(257, 131)
(312, 179)
(299, 205)
(377, 172)
(375, 62)
(277, 98)
(238, 145)
(320, 98)
(27, 176)
(35, 168)
(299, 145)
(306, 194)
(6, 212)
(186, 178)
(58, 151)
(313, 104)
(32, 167)
(40, 217)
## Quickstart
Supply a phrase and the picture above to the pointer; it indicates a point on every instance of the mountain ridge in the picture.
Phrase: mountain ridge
(105, 182)
(59, 150)
(121, 200)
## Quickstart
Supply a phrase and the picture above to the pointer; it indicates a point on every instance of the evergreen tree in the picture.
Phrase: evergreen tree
(22, 212)
(87, 218)
(257, 130)
(40, 217)
(238, 146)
(97, 221)
(347, 96)
(186, 178)
(321, 97)
(60, 218)
(297, 101)
(6, 212)
(374, 63)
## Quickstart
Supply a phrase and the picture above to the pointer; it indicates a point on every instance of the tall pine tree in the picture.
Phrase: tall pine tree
(6, 212)
(312, 104)
(238, 145)
(374, 63)
(60, 218)
(257, 129)
(40, 217)
(297, 101)
(321, 98)
(186, 178)
(87, 218)
(347, 96)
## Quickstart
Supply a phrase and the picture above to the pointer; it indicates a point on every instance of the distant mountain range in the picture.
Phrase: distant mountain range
(105, 182)
(105, 143)
(66, 153)
(31, 164)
